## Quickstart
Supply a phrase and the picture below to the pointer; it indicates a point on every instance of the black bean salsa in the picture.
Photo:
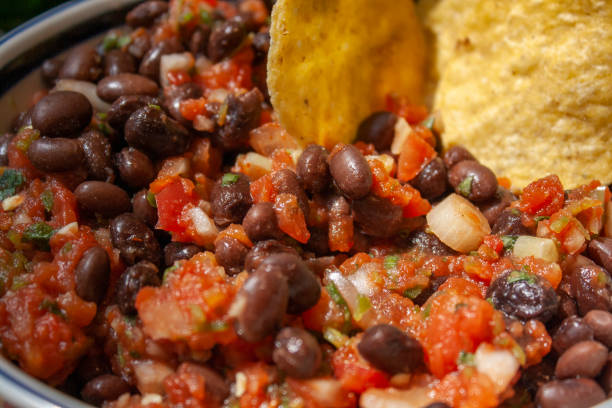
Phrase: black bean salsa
(164, 242)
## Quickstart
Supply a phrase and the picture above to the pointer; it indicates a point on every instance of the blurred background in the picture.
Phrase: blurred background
(15, 12)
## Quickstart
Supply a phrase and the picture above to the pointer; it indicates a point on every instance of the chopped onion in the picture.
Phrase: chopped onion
(203, 123)
(415, 397)
(500, 365)
(175, 166)
(402, 130)
(150, 376)
(12, 202)
(203, 225)
(387, 161)
(253, 165)
(324, 391)
(69, 230)
(364, 316)
(88, 89)
(202, 64)
(269, 137)
(174, 62)
(218, 95)
(458, 223)
(543, 248)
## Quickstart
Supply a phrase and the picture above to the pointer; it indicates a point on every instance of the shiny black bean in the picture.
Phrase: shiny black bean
(437, 405)
(23, 119)
(224, 39)
(262, 250)
(601, 323)
(260, 222)
(320, 264)
(121, 110)
(455, 155)
(259, 306)
(351, 172)
(493, 208)
(261, 45)
(286, 181)
(112, 87)
(431, 181)
(378, 129)
(524, 296)
(584, 359)
(142, 208)
(606, 377)
(82, 63)
(304, 287)
(571, 331)
(118, 62)
(106, 387)
(242, 115)
(92, 365)
(510, 222)
(216, 389)
(175, 94)
(50, 70)
(135, 168)
(140, 44)
(62, 114)
(230, 254)
(318, 241)
(230, 199)
(99, 197)
(571, 393)
(92, 274)
(428, 243)
(149, 129)
(600, 251)
(389, 349)
(134, 240)
(589, 285)
(296, 352)
(377, 216)
(97, 150)
(473, 180)
(175, 251)
(134, 278)
(198, 42)
(5, 139)
(145, 14)
(312, 169)
(55, 154)
(149, 66)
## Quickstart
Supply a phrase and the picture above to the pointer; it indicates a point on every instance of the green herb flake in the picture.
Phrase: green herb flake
(47, 199)
(218, 326)
(134, 354)
(66, 248)
(52, 307)
(509, 241)
(123, 41)
(426, 311)
(105, 129)
(522, 275)
(363, 305)
(154, 106)
(603, 278)
(101, 115)
(229, 179)
(391, 261)
(465, 359)
(205, 17)
(559, 224)
(460, 306)
(335, 337)
(38, 234)
(413, 293)
(465, 187)
(10, 181)
(339, 300)
(490, 300)
(120, 358)
(169, 271)
(151, 199)
(186, 17)
(428, 122)
(109, 42)
(541, 218)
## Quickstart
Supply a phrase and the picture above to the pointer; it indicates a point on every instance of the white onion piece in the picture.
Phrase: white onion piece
(88, 89)
(500, 365)
(350, 294)
(150, 376)
(415, 397)
(402, 130)
(543, 248)
(325, 392)
(175, 166)
(387, 161)
(269, 137)
(202, 64)
(253, 165)
(458, 223)
(203, 225)
(174, 62)
(361, 280)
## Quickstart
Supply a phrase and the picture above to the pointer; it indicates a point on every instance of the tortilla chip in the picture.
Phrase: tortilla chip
(526, 85)
(333, 62)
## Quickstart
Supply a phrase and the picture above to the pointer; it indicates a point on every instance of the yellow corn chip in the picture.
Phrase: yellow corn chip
(332, 63)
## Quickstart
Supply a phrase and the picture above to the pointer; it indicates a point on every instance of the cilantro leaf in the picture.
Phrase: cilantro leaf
(228, 179)
(517, 276)
(465, 187)
(10, 181)
(47, 199)
(465, 358)
(390, 261)
(413, 293)
(38, 234)
(509, 241)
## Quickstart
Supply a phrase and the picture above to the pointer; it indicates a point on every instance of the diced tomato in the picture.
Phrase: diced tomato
(467, 389)
(262, 190)
(355, 373)
(281, 159)
(412, 113)
(290, 217)
(171, 199)
(190, 108)
(340, 233)
(542, 197)
(178, 77)
(233, 74)
(237, 232)
(415, 155)
(17, 153)
(258, 377)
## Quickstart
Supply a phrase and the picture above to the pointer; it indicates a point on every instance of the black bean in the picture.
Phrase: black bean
(606, 376)
(121, 110)
(149, 66)
(102, 198)
(428, 243)
(50, 70)
(600, 251)
(142, 208)
(601, 323)
(242, 115)
(583, 359)
(92, 365)
(312, 169)
(112, 87)
(135, 168)
(55, 154)
(524, 296)
(140, 44)
(230, 254)
(82, 63)
(106, 387)
(134, 278)
(455, 155)
(494, 207)
(351, 172)
(389, 349)
(318, 242)
(262, 250)
(230, 199)
(320, 264)
(259, 306)
(145, 14)
(23, 119)
(260, 222)
(152, 131)
(437, 405)
(296, 352)
(286, 181)
(588, 284)
(304, 288)
(175, 94)
(377, 216)
(378, 129)
(571, 393)
(176, 251)
(473, 180)
(431, 181)
(224, 39)
(198, 42)
(510, 222)
(97, 150)
(216, 389)
(261, 45)
(92, 274)
(571, 331)
(62, 114)
(134, 240)
(5, 140)
(118, 62)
